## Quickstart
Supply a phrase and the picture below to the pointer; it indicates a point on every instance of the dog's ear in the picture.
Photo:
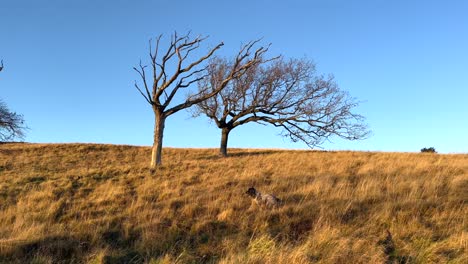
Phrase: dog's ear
(251, 191)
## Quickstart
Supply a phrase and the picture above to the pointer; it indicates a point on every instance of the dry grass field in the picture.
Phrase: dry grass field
(86, 203)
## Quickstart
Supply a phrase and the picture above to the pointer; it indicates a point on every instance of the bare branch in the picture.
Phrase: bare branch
(11, 124)
(144, 96)
(142, 74)
(183, 84)
(179, 69)
(154, 56)
(242, 63)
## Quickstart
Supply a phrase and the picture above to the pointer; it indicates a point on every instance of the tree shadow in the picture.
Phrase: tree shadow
(11, 142)
(239, 153)
(254, 153)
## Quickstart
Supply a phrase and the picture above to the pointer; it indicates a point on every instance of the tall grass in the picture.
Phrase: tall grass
(100, 204)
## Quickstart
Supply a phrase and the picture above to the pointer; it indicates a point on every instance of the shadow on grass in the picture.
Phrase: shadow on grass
(69, 249)
(60, 249)
(12, 142)
(390, 250)
(235, 153)
(200, 243)
(63, 249)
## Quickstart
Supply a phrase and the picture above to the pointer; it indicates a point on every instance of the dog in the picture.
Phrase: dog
(264, 200)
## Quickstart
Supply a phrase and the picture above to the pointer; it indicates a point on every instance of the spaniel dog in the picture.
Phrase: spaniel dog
(263, 200)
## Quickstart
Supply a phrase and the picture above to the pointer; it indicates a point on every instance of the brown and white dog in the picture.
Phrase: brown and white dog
(264, 200)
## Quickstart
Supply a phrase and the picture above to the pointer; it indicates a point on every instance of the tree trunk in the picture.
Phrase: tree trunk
(158, 139)
(224, 141)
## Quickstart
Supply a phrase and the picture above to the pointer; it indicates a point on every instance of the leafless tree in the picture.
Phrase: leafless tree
(288, 94)
(174, 69)
(11, 124)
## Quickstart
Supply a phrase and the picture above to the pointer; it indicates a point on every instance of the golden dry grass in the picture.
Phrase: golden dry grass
(100, 204)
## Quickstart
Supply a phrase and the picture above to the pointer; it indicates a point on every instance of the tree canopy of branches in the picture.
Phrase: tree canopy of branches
(174, 68)
(288, 94)
(11, 124)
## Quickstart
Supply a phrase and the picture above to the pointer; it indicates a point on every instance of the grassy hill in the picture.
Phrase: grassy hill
(100, 204)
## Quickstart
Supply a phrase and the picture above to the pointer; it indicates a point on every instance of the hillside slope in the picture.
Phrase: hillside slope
(100, 204)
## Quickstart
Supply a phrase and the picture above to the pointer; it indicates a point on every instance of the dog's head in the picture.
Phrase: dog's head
(251, 192)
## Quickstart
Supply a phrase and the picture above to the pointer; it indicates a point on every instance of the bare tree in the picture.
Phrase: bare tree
(11, 124)
(286, 94)
(174, 70)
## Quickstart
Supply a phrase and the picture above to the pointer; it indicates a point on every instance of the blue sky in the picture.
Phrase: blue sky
(68, 66)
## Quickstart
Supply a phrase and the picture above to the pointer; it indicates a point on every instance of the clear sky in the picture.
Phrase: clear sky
(68, 66)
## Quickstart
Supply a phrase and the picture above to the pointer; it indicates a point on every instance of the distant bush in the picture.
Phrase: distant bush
(429, 150)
